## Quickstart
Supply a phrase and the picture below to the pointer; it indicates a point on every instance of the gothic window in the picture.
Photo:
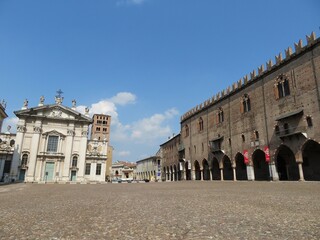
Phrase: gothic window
(88, 168)
(187, 130)
(200, 124)
(220, 115)
(52, 144)
(281, 87)
(309, 121)
(74, 161)
(245, 104)
(243, 138)
(256, 134)
(98, 169)
(24, 160)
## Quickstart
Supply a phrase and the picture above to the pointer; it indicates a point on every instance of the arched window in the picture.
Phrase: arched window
(200, 124)
(186, 130)
(74, 161)
(220, 115)
(24, 160)
(245, 104)
(281, 87)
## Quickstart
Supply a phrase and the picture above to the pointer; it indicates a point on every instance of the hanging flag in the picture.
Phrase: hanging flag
(246, 156)
(267, 152)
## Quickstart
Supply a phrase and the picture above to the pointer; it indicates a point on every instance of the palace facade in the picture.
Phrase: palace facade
(263, 127)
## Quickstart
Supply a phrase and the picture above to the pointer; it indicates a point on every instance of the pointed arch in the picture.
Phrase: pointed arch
(206, 171)
(311, 160)
(197, 170)
(286, 164)
(215, 169)
(241, 167)
(187, 167)
(227, 168)
(261, 167)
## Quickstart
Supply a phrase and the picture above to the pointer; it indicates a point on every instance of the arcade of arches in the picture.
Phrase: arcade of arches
(286, 166)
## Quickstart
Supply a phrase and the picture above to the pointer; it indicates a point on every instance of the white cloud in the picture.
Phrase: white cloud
(124, 98)
(123, 153)
(154, 127)
(108, 106)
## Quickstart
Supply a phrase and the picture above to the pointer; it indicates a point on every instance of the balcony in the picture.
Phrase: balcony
(181, 147)
(215, 144)
(289, 132)
(74, 168)
(23, 166)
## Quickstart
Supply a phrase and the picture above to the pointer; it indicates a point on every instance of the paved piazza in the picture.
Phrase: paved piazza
(176, 210)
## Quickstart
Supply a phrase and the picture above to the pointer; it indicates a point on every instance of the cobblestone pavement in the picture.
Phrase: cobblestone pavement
(177, 210)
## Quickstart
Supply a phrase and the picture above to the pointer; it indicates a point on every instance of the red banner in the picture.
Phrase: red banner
(267, 152)
(246, 156)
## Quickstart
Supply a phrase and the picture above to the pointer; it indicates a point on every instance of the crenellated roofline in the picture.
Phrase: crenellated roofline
(256, 75)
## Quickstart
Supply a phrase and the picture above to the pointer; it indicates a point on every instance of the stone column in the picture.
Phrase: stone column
(201, 174)
(103, 172)
(68, 154)
(299, 160)
(273, 171)
(34, 152)
(221, 174)
(82, 153)
(193, 174)
(250, 172)
(301, 171)
(18, 149)
(234, 174)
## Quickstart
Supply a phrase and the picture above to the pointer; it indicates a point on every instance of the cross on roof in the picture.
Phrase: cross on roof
(59, 92)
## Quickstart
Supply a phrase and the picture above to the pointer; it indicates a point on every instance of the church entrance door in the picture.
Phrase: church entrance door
(22, 174)
(48, 174)
(73, 176)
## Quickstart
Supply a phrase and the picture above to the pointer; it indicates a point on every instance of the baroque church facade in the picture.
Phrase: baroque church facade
(263, 127)
(52, 145)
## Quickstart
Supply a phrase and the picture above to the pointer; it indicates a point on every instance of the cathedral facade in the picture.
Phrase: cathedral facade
(52, 145)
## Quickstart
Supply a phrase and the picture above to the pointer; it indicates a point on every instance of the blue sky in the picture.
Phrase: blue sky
(144, 62)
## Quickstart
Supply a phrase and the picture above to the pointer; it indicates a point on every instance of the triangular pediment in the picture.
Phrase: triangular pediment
(54, 133)
(54, 111)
